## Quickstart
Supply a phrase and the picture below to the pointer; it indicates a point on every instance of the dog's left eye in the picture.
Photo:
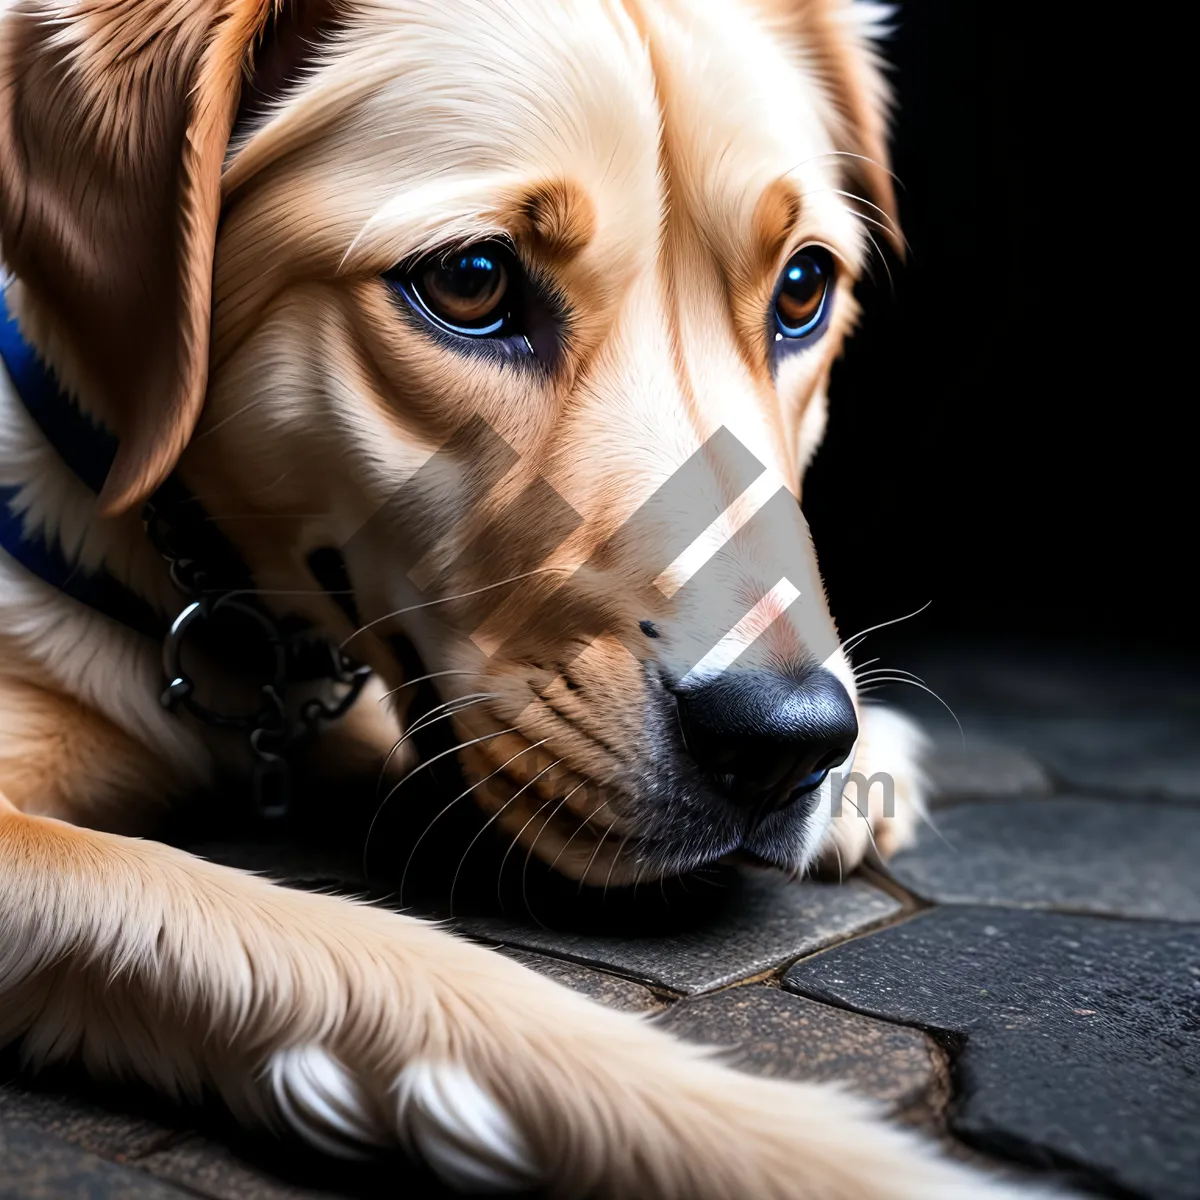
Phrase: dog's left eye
(803, 294)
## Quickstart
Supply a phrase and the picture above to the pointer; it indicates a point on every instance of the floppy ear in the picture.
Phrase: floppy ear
(114, 120)
(840, 40)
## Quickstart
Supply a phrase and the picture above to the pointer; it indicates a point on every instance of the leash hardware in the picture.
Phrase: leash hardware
(180, 691)
(186, 574)
(272, 782)
(270, 733)
(341, 670)
(267, 729)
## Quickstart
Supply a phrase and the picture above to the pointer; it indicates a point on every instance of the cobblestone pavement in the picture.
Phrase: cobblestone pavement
(1022, 984)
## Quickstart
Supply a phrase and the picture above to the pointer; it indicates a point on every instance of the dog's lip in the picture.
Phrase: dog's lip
(548, 826)
(582, 835)
(554, 816)
(607, 854)
(743, 856)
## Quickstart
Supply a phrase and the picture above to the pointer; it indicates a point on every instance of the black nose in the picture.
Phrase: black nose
(766, 739)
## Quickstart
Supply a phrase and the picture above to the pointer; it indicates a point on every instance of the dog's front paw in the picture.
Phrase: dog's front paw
(662, 1123)
(435, 1110)
(503, 1081)
(882, 799)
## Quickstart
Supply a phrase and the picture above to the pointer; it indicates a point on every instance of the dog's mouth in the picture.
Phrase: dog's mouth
(652, 813)
(594, 834)
(548, 812)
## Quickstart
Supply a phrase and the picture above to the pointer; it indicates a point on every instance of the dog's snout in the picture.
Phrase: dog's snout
(767, 739)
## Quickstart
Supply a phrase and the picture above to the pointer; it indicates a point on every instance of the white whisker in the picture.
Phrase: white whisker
(529, 852)
(583, 877)
(866, 816)
(924, 688)
(507, 804)
(883, 212)
(612, 865)
(399, 612)
(879, 254)
(421, 679)
(432, 717)
(420, 767)
(460, 796)
(516, 841)
(881, 671)
(849, 154)
(853, 641)
(578, 829)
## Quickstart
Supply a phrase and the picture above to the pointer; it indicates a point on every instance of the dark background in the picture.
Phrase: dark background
(1007, 431)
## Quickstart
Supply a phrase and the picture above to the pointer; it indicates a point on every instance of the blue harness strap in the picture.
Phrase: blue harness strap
(89, 452)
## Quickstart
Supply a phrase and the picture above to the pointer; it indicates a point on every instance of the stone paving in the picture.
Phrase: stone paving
(1022, 984)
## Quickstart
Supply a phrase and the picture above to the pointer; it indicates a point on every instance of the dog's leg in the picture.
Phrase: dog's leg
(883, 803)
(358, 1027)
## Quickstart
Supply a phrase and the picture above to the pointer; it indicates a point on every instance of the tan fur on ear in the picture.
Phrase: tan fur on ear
(114, 120)
(838, 38)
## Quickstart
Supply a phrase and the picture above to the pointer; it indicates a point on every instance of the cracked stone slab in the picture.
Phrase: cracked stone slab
(1110, 857)
(763, 922)
(37, 1166)
(978, 769)
(1076, 1036)
(113, 1134)
(712, 934)
(613, 991)
(1152, 756)
(79, 1126)
(1107, 725)
(77, 1131)
(774, 1033)
(211, 1169)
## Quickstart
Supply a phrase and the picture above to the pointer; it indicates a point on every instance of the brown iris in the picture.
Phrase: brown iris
(803, 290)
(466, 290)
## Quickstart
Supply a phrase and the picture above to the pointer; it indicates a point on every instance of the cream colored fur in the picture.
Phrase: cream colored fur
(657, 127)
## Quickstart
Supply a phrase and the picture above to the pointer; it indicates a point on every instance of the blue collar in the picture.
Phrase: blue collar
(89, 451)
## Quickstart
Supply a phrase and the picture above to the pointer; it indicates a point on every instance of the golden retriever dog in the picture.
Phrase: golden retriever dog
(459, 290)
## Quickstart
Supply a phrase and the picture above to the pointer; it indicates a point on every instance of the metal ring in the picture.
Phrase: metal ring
(180, 689)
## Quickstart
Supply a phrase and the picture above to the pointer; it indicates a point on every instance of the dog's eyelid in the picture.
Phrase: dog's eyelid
(538, 275)
(434, 250)
(845, 263)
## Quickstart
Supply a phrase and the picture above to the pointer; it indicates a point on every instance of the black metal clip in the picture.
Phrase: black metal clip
(272, 779)
(181, 690)
(211, 617)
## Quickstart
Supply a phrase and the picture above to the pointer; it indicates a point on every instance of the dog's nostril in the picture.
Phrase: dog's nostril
(768, 740)
(811, 781)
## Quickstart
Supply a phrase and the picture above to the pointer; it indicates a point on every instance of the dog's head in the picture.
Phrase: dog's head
(526, 309)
